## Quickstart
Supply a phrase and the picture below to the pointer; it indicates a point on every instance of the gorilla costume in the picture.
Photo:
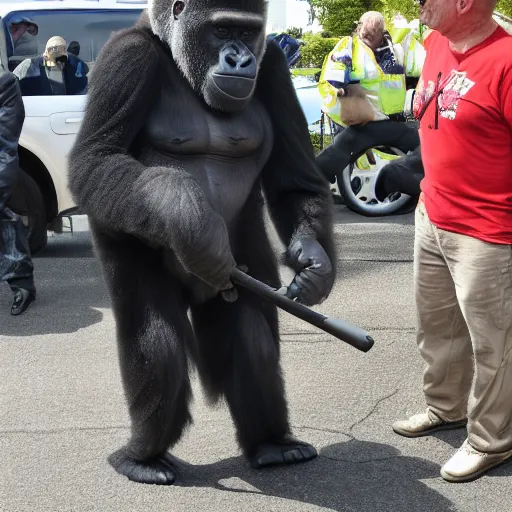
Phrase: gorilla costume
(191, 121)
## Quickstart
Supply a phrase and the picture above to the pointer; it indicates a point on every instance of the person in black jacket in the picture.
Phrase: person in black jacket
(15, 261)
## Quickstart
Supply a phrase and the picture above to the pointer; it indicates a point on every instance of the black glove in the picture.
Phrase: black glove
(315, 276)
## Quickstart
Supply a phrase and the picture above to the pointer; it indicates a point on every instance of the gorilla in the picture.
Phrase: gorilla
(192, 126)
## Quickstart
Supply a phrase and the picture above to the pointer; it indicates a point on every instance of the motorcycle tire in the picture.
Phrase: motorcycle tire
(351, 187)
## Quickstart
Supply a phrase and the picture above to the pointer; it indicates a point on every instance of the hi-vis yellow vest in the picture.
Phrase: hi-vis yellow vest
(412, 43)
(386, 92)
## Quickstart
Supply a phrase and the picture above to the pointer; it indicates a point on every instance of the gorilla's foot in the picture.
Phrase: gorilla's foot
(283, 453)
(159, 471)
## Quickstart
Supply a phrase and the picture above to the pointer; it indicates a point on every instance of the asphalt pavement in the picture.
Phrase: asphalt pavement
(62, 408)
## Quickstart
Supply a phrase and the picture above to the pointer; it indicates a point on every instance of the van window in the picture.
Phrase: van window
(71, 39)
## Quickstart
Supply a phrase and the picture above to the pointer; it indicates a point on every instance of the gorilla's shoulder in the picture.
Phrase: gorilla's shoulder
(274, 66)
(274, 60)
(273, 53)
(133, 42)
(128, 58)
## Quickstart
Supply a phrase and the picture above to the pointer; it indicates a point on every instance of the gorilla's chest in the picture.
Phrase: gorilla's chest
(224, 152)
(181, 124)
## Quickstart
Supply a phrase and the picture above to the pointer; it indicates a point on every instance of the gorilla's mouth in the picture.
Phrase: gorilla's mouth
(235, 86)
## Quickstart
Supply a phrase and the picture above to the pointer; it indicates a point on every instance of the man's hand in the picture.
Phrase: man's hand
(315, 276)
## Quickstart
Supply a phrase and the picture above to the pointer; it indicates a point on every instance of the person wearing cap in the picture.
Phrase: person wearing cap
(56, 72)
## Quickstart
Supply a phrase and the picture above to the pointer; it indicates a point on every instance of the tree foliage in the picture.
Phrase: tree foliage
(295, 32)
(406, 8)
(338, 17)
(315, 49)
(505, 7)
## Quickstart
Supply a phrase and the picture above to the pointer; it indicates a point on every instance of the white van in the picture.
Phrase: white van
(52, 119)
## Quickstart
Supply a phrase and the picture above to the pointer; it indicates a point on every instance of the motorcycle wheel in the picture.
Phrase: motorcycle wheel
(356, 184)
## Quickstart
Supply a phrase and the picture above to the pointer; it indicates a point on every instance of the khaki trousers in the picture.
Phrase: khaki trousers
(463, 290)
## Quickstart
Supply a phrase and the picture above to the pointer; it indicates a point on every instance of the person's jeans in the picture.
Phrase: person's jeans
(354, 139)
(16, 265)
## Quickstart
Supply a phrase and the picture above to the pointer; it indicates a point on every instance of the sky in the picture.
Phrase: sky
(296, 13)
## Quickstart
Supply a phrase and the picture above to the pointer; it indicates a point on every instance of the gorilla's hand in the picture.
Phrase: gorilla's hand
(315, 276)
(5, 193)
(209, 257)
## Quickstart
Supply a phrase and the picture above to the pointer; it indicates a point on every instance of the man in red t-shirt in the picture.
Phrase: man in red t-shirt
(463, 234)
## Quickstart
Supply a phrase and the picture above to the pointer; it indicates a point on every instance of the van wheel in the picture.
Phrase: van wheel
(29, 203)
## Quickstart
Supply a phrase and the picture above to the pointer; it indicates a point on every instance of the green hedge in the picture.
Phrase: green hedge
(315, 49)
(505, 7)
(315, 140)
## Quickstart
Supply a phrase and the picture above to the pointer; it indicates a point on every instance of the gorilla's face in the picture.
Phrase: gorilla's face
(218, 49)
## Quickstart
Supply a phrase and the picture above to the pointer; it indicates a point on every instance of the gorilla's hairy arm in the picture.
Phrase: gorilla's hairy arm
(298, 197)
(164, 206)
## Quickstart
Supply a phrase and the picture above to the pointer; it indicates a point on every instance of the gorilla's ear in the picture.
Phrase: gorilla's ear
(177, 8)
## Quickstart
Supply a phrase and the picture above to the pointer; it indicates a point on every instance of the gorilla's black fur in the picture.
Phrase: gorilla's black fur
(188, 120)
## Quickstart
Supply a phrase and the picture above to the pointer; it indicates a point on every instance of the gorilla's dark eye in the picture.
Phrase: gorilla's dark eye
(247, 33)
(222, 33)
(177, 8)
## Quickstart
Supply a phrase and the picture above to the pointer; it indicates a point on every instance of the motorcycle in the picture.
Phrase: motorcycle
(289, 45)
(356, 182)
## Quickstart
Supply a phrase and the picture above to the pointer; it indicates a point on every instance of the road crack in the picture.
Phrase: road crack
(409, 260)
(374, 408)
(361, 461)
(62, 430)
(326, 430)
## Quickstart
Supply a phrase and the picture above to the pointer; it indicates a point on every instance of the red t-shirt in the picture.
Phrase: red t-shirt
(466, 142)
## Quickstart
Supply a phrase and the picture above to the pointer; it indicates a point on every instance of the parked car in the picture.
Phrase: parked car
(52, 120)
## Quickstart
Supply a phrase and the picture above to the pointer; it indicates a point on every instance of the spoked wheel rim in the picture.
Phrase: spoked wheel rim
(359, 182)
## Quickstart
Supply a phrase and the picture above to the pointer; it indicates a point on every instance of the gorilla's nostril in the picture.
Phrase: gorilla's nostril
(236, 60)
(232, 61)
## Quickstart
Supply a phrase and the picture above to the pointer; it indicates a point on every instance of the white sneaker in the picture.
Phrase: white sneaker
(469, 464)
(424, 424)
